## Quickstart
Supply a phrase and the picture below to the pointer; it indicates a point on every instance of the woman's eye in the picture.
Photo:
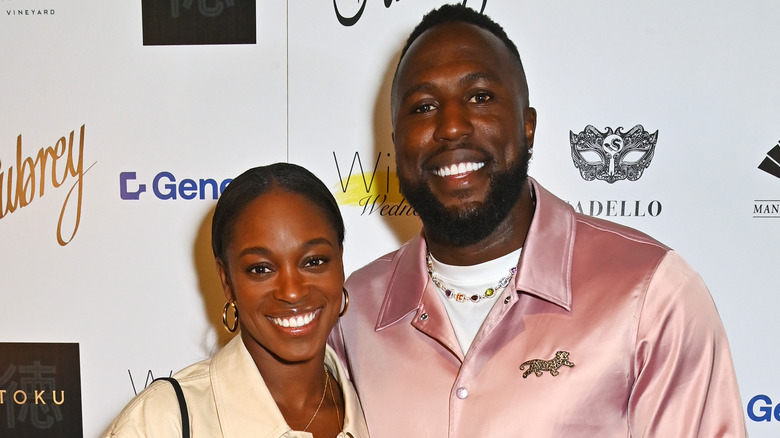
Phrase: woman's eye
(480, 98)
(315, 261)
(259, 269)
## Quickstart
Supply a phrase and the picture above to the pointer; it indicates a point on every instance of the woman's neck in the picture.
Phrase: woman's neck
(303, 391)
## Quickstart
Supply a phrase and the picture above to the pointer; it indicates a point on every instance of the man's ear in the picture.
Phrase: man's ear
(529, 117)
(224, 278)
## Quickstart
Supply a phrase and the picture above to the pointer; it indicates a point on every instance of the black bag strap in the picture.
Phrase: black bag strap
(185, 418)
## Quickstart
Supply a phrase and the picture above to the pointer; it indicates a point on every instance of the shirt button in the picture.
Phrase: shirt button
(424, 317)
(462, 393)
(507, 300)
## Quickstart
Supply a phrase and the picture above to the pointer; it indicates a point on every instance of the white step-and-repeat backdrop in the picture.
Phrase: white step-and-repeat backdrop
(121, 122)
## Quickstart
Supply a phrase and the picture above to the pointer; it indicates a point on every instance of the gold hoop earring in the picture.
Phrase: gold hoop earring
(346, 303)
(235, 316)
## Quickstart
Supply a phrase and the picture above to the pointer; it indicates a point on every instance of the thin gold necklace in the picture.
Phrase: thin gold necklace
(324, 391)
(335, 405)
(328, 388)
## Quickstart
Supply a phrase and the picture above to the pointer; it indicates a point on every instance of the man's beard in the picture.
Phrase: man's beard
(461, 226)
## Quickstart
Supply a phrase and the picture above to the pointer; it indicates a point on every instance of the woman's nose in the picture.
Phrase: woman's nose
(291, 287)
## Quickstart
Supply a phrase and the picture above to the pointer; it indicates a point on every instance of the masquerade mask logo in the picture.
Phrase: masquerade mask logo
(612, 155)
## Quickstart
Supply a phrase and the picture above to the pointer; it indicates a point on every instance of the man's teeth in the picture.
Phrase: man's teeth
(457, 169)
(295, 321)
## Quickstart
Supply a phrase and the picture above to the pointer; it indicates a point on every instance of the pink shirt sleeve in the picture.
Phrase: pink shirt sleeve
(684, 379)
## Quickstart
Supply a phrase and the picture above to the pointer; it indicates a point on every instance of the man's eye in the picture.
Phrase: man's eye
(480, 98)
(424, 108)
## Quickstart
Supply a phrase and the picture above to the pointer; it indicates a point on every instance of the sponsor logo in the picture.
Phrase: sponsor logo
(766, 208)
(771, 163)
(612, 155)
(769, 208)
(29, 12)
(149, 378)
(349, 13)
(50, 167)
(40, 390)
(760, 408)
(376, 191)
(165, 186)
(22, 9)
(615, 208)
(183, 22)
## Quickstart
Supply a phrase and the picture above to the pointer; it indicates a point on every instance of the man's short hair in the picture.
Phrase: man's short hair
(459, 13)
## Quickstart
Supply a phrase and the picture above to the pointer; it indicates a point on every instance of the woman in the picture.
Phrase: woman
(277, 238)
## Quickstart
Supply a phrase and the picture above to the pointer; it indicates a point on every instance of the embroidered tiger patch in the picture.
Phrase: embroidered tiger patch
(537, 366)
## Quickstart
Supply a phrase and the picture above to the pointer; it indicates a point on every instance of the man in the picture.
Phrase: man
(511, 315)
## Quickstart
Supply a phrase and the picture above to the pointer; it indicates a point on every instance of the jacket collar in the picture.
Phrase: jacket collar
(544, 270)
(545, 265)
(244, 403)
(242, 399)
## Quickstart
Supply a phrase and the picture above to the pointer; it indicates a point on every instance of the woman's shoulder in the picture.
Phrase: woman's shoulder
(155, 410)
(150, 413)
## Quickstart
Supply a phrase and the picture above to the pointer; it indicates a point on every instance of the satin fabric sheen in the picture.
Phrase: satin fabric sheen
(650, 354)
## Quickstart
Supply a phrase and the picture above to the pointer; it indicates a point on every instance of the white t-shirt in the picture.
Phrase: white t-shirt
(467, 317)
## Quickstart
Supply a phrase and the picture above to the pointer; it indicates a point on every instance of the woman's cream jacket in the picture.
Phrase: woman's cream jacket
(226, 397)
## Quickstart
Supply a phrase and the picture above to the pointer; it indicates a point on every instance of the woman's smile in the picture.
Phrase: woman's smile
(295, 321)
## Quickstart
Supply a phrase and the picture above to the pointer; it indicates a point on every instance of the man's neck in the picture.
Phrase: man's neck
(508, 236)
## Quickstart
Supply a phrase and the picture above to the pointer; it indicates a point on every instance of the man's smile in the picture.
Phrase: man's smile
(458, 169)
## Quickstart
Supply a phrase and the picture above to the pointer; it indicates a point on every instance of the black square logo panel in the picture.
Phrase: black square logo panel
(186, 22)
(40, 390)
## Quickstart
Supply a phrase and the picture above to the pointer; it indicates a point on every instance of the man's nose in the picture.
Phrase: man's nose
(453, 122)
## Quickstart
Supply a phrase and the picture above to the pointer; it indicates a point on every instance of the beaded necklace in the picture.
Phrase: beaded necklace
(461, 297)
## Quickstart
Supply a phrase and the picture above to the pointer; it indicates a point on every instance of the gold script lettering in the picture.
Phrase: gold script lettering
(21, 181)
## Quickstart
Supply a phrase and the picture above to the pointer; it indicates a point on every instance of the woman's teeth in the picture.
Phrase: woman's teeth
(295, 321)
